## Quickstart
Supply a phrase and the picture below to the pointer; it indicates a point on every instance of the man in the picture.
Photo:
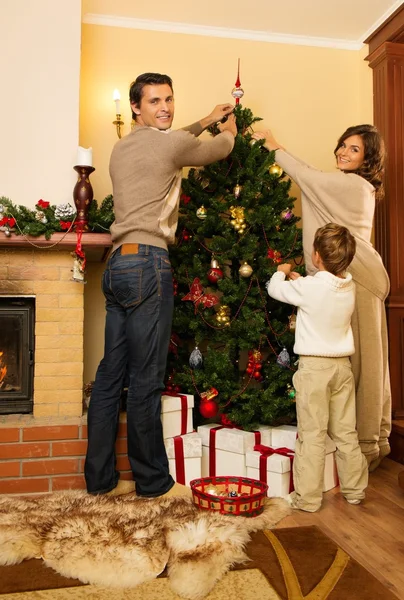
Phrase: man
(146, 171)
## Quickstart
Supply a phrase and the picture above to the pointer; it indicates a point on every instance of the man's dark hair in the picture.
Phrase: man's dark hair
(136, 87)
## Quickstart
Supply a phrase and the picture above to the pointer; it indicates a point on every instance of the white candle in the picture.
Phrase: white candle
(117, 97)
(85, 157)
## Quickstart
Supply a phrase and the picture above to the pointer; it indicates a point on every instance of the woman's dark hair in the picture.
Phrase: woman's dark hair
(372, 168)
(136, 87)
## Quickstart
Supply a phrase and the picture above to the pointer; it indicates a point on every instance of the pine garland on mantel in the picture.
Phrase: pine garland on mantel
(46, 219)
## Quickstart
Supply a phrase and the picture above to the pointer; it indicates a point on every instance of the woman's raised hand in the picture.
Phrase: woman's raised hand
(270, 141)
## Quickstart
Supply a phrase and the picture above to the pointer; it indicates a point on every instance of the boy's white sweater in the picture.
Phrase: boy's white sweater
(325, 306)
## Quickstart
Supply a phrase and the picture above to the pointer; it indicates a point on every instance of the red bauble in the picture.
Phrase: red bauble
(208, 408)
(214, 274)
(257, 375)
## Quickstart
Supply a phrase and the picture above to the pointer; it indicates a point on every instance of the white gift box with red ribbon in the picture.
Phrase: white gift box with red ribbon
(184, 454)
(274, 466)
(224, 449)
(176, 414)
(285, 436)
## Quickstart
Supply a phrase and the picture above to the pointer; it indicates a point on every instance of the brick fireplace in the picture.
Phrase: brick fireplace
(44, 451)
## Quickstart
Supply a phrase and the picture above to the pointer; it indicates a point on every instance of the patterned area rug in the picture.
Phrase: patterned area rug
(298, 563)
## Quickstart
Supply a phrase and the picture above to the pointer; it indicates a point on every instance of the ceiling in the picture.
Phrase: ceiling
(334, 23)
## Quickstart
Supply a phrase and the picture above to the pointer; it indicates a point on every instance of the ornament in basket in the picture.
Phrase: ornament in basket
(238, 496)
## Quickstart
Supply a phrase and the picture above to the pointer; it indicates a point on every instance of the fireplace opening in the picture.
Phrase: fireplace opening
(17, 322)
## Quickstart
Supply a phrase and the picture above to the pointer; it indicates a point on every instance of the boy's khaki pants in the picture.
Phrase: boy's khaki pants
(325, 402)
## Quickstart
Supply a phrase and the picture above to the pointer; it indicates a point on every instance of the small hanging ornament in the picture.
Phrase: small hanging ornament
(202, 213)
(283, 359)
(237, 91)
(238, 219)
(186, 236)
(208, 407)
(223, 315)
(274, 255)
(286, 214)
(175, 287)
(245, 270)
(291, 392)
(7, 232)
(214, 273)
(254, 365)
(196, 360)
(275, 170)
(292, 322)
(237, 190)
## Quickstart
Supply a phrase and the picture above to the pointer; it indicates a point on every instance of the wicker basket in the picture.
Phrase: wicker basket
(249, 505)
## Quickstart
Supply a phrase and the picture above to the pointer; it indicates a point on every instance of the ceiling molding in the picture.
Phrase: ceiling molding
(223, 32)
(382, 19)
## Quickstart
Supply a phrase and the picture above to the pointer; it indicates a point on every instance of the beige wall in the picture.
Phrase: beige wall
(39, 103)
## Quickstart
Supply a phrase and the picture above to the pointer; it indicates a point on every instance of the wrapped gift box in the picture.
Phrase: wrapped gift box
(285, 436)
(230, 450)
(176, 415)
(184, 457)
(278, 472)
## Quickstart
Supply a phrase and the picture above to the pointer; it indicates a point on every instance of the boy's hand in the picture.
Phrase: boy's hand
(285, 268)
(293, 275)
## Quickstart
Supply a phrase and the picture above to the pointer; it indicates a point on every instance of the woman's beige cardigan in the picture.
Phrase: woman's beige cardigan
(348, 199)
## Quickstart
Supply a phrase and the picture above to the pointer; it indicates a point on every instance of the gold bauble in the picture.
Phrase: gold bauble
(245, 270)
(275, 170)
(202, 213)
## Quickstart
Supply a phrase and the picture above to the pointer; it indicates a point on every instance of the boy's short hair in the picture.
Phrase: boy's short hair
(336, 246)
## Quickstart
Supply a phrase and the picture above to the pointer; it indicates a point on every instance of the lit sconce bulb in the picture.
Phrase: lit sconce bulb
(117, 97)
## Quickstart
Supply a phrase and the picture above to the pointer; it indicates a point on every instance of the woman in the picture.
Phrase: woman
(348, 197)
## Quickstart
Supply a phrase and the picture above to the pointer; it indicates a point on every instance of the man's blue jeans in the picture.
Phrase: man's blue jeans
(139, 301)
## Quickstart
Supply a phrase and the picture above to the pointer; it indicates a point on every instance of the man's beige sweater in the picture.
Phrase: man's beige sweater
(346, 199)
(146, 171)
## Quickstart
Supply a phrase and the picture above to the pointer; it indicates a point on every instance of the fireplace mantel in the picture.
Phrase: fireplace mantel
(95, 245)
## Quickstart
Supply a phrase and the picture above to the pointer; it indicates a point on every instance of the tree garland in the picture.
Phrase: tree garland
(47, 219)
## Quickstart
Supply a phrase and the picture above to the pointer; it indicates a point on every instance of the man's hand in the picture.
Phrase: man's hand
(285, 268)
(220, 111)
(229, 125)
(270, 141)
(217, 114)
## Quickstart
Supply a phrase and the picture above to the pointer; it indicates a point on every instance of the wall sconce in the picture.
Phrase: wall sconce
(118, 121)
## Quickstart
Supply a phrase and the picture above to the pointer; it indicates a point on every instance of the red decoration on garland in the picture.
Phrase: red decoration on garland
(43, 204)
(10, 221)
(185, 199)
(198, 296)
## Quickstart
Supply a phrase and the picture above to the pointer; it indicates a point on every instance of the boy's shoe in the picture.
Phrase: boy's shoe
(353, 500)
(124, 486)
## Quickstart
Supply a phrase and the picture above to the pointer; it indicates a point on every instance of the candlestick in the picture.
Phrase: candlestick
(82, 196)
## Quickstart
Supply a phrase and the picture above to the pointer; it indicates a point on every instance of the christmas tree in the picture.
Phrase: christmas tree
(231, 344)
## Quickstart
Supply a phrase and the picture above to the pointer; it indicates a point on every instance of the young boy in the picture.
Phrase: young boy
(324, 383)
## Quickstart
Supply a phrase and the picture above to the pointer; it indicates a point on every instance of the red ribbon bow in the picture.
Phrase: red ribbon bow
(265, 452)
(197, 295)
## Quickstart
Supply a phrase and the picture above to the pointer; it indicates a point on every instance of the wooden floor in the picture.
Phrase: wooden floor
(372, 532)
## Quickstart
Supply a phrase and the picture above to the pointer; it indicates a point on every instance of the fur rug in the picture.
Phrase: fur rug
(122, 541)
